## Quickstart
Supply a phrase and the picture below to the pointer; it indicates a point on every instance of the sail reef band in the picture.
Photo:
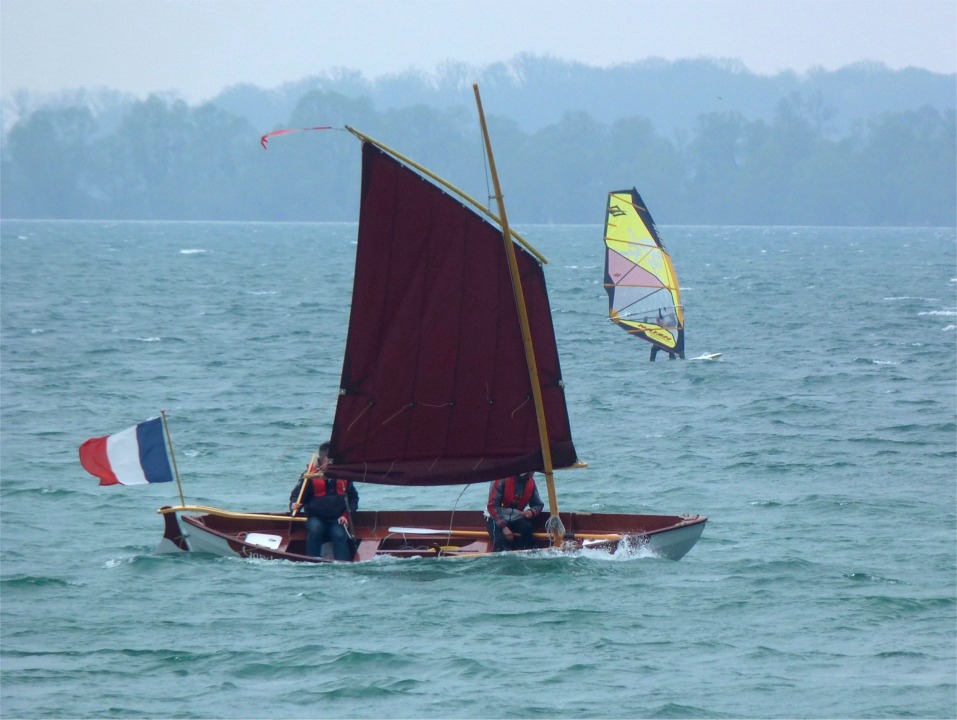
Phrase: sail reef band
(328, 503)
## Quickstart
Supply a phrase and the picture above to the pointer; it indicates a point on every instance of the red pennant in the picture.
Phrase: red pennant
(265, 138)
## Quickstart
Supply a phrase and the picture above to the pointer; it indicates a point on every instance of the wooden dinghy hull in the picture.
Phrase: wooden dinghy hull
(415, 533)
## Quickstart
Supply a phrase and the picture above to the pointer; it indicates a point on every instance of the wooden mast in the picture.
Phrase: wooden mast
(556, 529)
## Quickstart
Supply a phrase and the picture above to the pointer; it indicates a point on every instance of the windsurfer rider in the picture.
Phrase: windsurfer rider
(512, 503)
(655, 348)
(329, 504)
(654, 353)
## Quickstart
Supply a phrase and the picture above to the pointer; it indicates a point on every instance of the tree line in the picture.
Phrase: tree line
(167, 160)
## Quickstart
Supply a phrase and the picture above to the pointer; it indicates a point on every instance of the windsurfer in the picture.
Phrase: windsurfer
(328, 503)
(654, 353)
(661, 322)
(654, 348)
(512, 503)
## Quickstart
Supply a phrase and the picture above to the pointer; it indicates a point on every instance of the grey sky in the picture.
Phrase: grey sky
(198, 47)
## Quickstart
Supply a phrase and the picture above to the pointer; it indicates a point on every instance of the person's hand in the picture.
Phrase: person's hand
(342, 521)
(526, 513)
(507, 532)
(294, 507)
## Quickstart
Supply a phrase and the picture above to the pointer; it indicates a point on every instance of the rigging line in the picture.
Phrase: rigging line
(375, 430)
(356, 419)
(323, 405)
(394, 415)
(365, 473)
(489, 196)
(527, 398)
(455, 506)
(283, 455)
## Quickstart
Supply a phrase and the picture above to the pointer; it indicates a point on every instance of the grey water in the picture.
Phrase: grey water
(822, 446)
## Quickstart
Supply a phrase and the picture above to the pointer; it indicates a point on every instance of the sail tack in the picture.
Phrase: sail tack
(435, 387)
(643, 294)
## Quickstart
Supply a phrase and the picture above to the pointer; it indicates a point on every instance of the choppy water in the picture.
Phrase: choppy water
(823, 447)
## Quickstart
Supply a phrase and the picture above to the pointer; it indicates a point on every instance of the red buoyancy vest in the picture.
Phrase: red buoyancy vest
(319, 486)
(508, 495)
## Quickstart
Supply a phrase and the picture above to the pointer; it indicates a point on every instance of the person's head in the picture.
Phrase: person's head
(323, 458)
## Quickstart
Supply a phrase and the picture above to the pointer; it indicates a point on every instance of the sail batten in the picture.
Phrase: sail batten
(435, 388)
(644, 298)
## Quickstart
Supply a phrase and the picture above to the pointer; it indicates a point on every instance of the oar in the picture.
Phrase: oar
(302, 488)
(482, 533)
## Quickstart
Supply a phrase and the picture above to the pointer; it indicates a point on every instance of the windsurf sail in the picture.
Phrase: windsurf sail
(435, 386)
(643, 294)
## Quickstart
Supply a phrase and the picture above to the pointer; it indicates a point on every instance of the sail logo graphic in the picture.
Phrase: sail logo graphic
(656, 333)
(616, 211)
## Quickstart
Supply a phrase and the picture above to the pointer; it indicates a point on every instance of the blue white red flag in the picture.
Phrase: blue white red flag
(135, 456)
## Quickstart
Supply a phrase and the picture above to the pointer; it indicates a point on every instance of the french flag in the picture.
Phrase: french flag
(135, 456)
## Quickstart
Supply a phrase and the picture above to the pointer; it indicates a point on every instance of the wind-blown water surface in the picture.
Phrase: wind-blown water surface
(823, 447)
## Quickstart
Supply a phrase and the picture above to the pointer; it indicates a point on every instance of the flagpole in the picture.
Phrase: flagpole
(169, 442)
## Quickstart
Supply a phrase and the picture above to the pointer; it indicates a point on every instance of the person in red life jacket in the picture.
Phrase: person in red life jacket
(512, 503)
(328, 504)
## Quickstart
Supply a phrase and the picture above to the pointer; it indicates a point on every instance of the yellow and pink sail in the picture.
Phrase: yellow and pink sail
(643, 294)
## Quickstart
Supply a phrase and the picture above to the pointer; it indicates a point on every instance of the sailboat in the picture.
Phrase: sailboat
(450, 376)
(644, 298)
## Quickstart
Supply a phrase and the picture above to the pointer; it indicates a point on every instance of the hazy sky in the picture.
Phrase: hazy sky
(198, 47)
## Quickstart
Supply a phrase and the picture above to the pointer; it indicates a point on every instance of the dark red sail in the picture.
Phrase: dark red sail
(435, 387)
